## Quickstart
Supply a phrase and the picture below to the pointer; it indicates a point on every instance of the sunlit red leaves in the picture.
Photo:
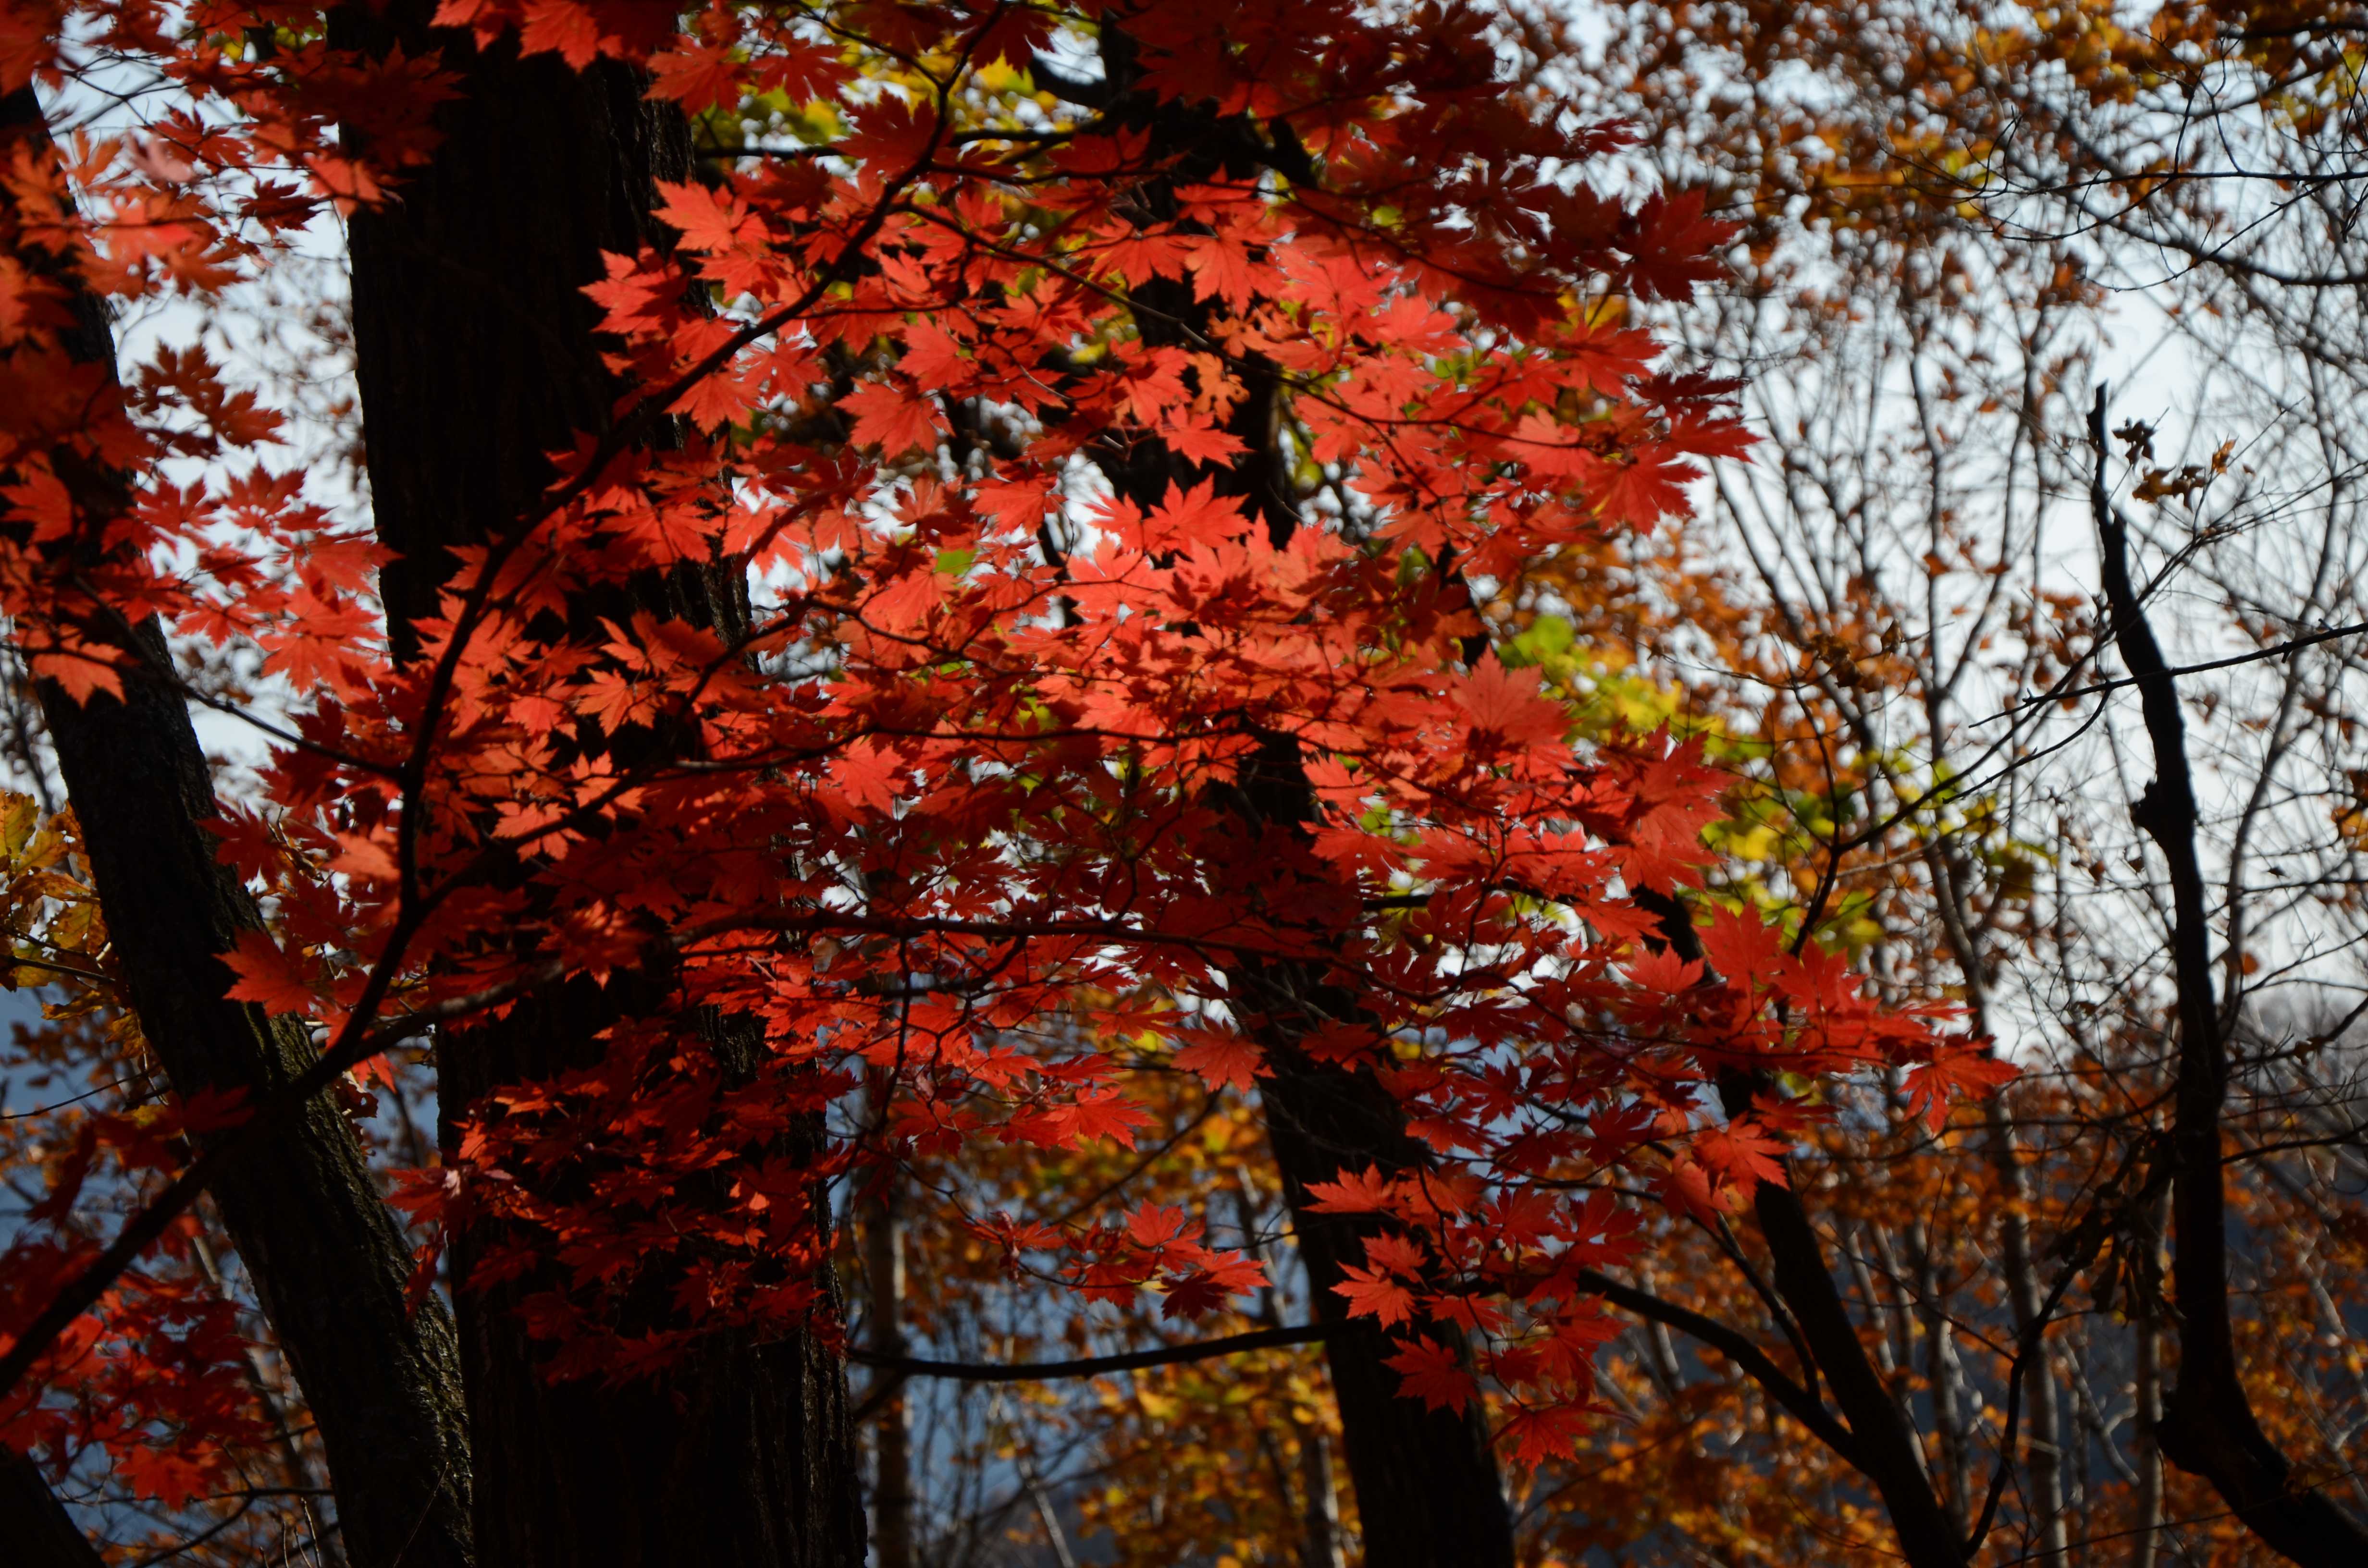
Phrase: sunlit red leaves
(1224, 1059)
(1741, 1155)
(1508, 711)
(1018, 446)
(894, 418)
(1956, 1071)
(1157, 1247)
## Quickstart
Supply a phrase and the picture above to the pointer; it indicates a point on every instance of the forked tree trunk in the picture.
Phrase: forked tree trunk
(476, 356)
(2207, 1426)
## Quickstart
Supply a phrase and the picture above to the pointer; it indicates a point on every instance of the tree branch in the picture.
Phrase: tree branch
(2277, 651)
(897, 1369)
(2208, 1426)
(1803, 1406)
(1092, 1366)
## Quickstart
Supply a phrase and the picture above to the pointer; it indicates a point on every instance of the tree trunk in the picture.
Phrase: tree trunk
(741, 1454)
(329, 1260)
(1319, 1545)
(1887, 1450)
(40, 1532)
(476, 355)
(330, 1263)
(2207, 1424)
(1428, 1490)
(473, 342)
(2146, 1413)
(881, 1230)
(1428, 1495)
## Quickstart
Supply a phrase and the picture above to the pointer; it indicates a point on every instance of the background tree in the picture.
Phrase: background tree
(1922, 559)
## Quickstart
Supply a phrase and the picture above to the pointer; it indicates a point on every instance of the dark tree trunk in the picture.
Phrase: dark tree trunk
(2208, 1426)
(1429, 1493)
(476, 356)
(38, 1530)
(743, 1455)
(1884, 1447)
(473, 338)
(328, 1258)
(330, 1263)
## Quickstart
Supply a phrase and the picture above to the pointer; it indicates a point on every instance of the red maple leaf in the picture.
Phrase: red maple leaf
(1373, 1294)
(1966, 1070)
(1672, 247)
(1433, 1373)
(697, 75)
(1509, 708)
(1741, 1154)
(267, 975)
(1362, 1192)
(1223, 1061)
(892, 419)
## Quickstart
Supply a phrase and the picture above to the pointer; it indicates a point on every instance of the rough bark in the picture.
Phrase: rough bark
(329, 1260)
(473, 339)
(476, 355)
(743, 1454)
(2207, 1426)
(881, 1230)
(1429, 1492)
(38, 1530)
(1428, 1495)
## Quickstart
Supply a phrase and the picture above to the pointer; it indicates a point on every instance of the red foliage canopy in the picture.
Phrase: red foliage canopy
(983, 798)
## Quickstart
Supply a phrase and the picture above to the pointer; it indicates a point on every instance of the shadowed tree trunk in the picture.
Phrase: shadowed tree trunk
(476, 356)
(38, 1530)
(329, 1260)
(880, 1228)
(1429, 1493)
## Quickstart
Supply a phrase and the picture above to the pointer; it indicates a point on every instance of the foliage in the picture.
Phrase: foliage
(980, 799)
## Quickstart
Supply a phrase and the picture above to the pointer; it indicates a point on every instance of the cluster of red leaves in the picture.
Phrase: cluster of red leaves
(154, 1376)
(963, 806)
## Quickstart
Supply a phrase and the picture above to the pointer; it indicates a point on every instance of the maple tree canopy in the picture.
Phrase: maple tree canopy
(1118, 445)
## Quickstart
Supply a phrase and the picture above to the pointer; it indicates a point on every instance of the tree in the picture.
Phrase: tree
(1113, 419)
(1910, 617)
